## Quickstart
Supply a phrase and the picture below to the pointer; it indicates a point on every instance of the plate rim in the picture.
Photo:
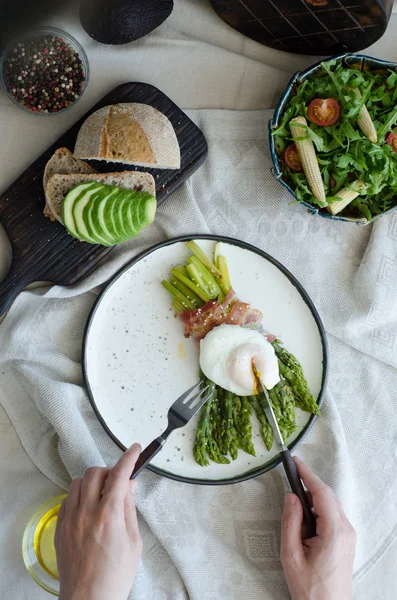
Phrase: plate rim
(304, 295)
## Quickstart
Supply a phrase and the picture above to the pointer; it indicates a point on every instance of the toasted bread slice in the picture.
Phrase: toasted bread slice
(129, 133)
(62, 162)
(59, 185)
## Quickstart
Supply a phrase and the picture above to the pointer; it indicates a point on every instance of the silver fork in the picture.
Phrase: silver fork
(180, 413)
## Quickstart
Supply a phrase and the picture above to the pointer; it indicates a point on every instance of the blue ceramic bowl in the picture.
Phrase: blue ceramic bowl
(358, 60)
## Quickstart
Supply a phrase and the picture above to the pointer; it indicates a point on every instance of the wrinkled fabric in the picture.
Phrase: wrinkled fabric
(222, 542)
(199, 542)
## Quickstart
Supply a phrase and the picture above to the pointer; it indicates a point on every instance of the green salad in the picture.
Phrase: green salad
(337, 144)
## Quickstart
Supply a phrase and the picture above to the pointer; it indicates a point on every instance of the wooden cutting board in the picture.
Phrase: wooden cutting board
(43, 250)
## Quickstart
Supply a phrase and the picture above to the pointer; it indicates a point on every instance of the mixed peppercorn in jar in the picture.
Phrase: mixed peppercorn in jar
(45, 72)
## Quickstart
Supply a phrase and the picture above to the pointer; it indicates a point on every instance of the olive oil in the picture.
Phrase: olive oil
(43, 543)
(38, 547)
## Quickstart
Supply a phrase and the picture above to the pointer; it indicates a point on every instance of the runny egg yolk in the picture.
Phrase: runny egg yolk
(227, 357)
(241, 367)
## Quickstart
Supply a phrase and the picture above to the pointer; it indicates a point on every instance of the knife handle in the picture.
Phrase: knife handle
(297, 487)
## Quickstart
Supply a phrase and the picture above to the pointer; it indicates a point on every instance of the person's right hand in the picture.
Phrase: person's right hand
(318, 568)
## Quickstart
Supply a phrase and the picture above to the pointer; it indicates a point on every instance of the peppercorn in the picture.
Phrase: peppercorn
(28, 73)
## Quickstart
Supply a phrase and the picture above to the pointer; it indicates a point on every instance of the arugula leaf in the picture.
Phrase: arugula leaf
(391, 81)
(388, 123)
(362, 208)
(316, 139)
(351, 133)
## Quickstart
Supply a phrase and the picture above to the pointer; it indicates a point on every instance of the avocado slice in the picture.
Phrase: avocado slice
(120, 213)
(67, 210)
(110, 215)
(84, 200)
(141, 211)
(94, 216)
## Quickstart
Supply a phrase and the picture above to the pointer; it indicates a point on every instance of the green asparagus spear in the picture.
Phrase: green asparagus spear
(217, 254)
(203, 258)
(242, 444)
(276, 407)
(178, 307)
(216, 418)
(215, 454)
(283, 398)
(218, 428)
(221, 265)
(209, 280)
(230, 443)
(187, 292)
(247, 423)
(275, 403)
(201, 443)
(292, 371)
(225, 433)
(214, 451)
(287, 402)
(225, 281)
(242, 423)
(198, 279)
(234, 440)
(182, 275)
(285, 425)
(177, 295)
(205, 442)
(266, 430)
(233, 443)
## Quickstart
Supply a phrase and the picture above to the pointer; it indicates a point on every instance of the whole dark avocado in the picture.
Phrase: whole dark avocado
(122, 21)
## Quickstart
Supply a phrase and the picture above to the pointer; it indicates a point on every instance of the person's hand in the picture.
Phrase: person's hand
(318, 568)
(97, 540)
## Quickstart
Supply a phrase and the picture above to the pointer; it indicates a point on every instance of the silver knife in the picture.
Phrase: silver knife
(290, 467)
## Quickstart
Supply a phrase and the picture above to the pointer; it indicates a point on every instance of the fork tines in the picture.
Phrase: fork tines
(186, 406)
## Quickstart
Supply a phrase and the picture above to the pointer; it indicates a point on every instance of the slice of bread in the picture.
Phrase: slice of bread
(129, 133)
(59, 185)
(63, 162)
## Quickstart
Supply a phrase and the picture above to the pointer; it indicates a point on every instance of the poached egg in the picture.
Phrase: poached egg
(227, 356)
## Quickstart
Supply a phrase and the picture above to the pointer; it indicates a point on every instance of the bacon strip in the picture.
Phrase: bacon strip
(231, 311)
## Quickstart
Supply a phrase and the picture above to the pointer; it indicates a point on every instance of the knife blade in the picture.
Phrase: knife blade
(271, 417)
(290, 467)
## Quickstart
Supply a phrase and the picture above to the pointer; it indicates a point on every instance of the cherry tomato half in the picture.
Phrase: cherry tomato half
(292, 158)
(324, 112)
(392, 139)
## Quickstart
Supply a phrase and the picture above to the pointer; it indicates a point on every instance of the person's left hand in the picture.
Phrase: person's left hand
(97, 540)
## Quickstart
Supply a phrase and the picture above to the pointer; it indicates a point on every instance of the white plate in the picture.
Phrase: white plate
(137, 361)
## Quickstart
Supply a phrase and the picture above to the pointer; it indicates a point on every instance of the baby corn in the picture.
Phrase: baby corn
(308, 157)
(365, 122)
(346, 196)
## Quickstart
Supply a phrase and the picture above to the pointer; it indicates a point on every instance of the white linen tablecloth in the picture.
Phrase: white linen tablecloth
(232, 532)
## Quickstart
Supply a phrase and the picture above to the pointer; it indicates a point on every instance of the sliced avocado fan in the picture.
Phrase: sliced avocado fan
(105, 214)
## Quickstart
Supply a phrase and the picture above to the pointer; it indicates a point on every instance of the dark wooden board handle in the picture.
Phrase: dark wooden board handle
(296, 486)
(146, 455)
(18, 277)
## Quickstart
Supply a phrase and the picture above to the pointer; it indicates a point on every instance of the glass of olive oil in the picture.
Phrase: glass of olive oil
(38, 548)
